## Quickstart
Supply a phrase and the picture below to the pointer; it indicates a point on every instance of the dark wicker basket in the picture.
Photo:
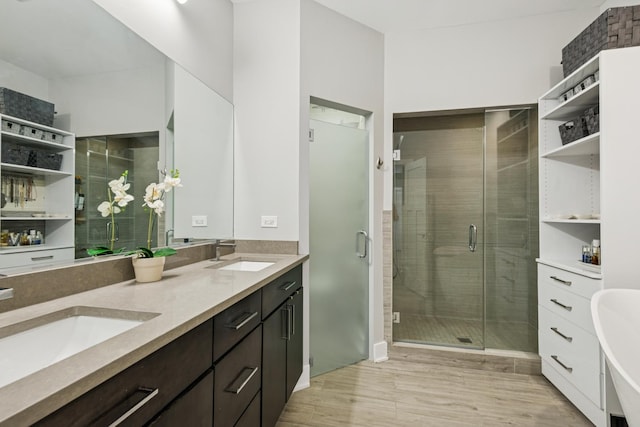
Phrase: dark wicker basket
(45, 160)
(592, 119)
(573, 130)
(14, 154)
(617, 27)
(26, 107)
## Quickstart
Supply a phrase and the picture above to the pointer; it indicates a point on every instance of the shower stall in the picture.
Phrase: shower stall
(100, 159)
(465, 229)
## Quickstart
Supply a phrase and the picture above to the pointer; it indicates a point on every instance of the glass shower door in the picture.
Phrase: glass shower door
(339, 260)
(438, 295)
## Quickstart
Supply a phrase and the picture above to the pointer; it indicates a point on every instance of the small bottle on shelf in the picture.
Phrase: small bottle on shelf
(586, 254)
(595, 252)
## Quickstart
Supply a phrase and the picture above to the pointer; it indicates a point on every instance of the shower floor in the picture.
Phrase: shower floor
(422, 329)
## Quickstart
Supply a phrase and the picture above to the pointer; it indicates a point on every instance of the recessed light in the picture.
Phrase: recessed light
(182, 1)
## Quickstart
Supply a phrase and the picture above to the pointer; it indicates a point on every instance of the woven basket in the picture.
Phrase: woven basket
(615, 28)
(14, 154)
(26, 107)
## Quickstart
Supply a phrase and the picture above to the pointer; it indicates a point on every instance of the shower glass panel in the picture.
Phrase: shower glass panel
(439, 231)
(512, 229)
(462, 182)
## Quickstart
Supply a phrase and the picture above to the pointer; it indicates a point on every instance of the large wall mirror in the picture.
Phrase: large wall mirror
(131, 108)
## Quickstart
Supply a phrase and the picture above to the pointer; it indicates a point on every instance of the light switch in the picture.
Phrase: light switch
(269, 221)
(199, 221)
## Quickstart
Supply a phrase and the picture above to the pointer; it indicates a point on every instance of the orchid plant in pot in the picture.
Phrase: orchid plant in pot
(117, 200)
(148, 264)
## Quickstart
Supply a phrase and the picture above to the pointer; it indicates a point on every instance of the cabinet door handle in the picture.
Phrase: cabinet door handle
(288, 285)
(41, 258)
(292, 316)
(151, 394)
(242, 380)
(556, 302)
(561, 334)
(554, 357)
(243, 320)
(284, 323)
(564, 282)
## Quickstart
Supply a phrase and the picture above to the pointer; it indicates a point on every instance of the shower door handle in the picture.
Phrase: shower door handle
(364, 253)
(473, 237)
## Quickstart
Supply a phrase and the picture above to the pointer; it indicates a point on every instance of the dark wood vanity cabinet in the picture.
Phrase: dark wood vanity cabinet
(237, 369)
(139, 393)
(282, 343)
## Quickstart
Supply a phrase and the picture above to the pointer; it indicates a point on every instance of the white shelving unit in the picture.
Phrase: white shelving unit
(587, 192)
(47, 204)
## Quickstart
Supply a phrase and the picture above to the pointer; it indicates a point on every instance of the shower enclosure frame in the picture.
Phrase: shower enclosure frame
(507, 317)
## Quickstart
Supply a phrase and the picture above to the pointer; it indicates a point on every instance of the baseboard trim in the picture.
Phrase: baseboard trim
(380, 353)
(305, 379)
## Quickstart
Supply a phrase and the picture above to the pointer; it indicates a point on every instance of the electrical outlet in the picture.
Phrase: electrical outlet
(199, 221)
(269, 221)
(396, 317)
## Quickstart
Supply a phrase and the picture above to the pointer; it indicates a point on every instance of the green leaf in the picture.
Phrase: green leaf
(99, 250)
(164, 252)
(145, 252)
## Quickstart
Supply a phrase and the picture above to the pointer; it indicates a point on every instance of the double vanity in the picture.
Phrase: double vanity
(212, 343)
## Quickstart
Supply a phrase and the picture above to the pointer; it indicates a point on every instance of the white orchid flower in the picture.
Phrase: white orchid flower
(171, 182)
(106, 208)
(152, 193)
(122, 198)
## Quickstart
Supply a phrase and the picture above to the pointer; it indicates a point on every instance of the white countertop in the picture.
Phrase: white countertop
(184, 298)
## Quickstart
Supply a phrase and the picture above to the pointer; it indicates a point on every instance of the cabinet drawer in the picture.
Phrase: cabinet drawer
(251, 416)
(193, 408)
(579, 285)
(570, 306)
(157, 379)
(576, 357)
(237, 379)
(233, 324)
(36, 257)
(280, 289)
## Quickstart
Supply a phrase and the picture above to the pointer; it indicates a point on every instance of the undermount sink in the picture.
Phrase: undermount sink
(29, 346)
(616, 317)
(247, 265)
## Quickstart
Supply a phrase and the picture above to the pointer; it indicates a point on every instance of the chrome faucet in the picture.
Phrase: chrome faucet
(223, 245)
(166, 236)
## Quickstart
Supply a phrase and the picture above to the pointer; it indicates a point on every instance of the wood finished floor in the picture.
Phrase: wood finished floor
(409, 393)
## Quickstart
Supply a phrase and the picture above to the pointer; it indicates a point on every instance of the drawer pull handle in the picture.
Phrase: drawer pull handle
(287, 286)
(564, 282)
(41, 258)
(561, 334)
(244, 378)
(554, 357)
(151, 394)
(243, 320)
(556, 302)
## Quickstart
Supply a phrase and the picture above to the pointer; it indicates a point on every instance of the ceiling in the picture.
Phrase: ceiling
(402, 15)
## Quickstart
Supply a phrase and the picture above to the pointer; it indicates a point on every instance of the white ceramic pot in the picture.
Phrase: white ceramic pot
(148, 269)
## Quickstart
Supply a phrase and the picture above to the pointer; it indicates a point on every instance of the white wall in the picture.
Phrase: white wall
(267, 114)
(128, 101)
(196, 35)
(481, 65)
(343, 61)
(23, 81)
